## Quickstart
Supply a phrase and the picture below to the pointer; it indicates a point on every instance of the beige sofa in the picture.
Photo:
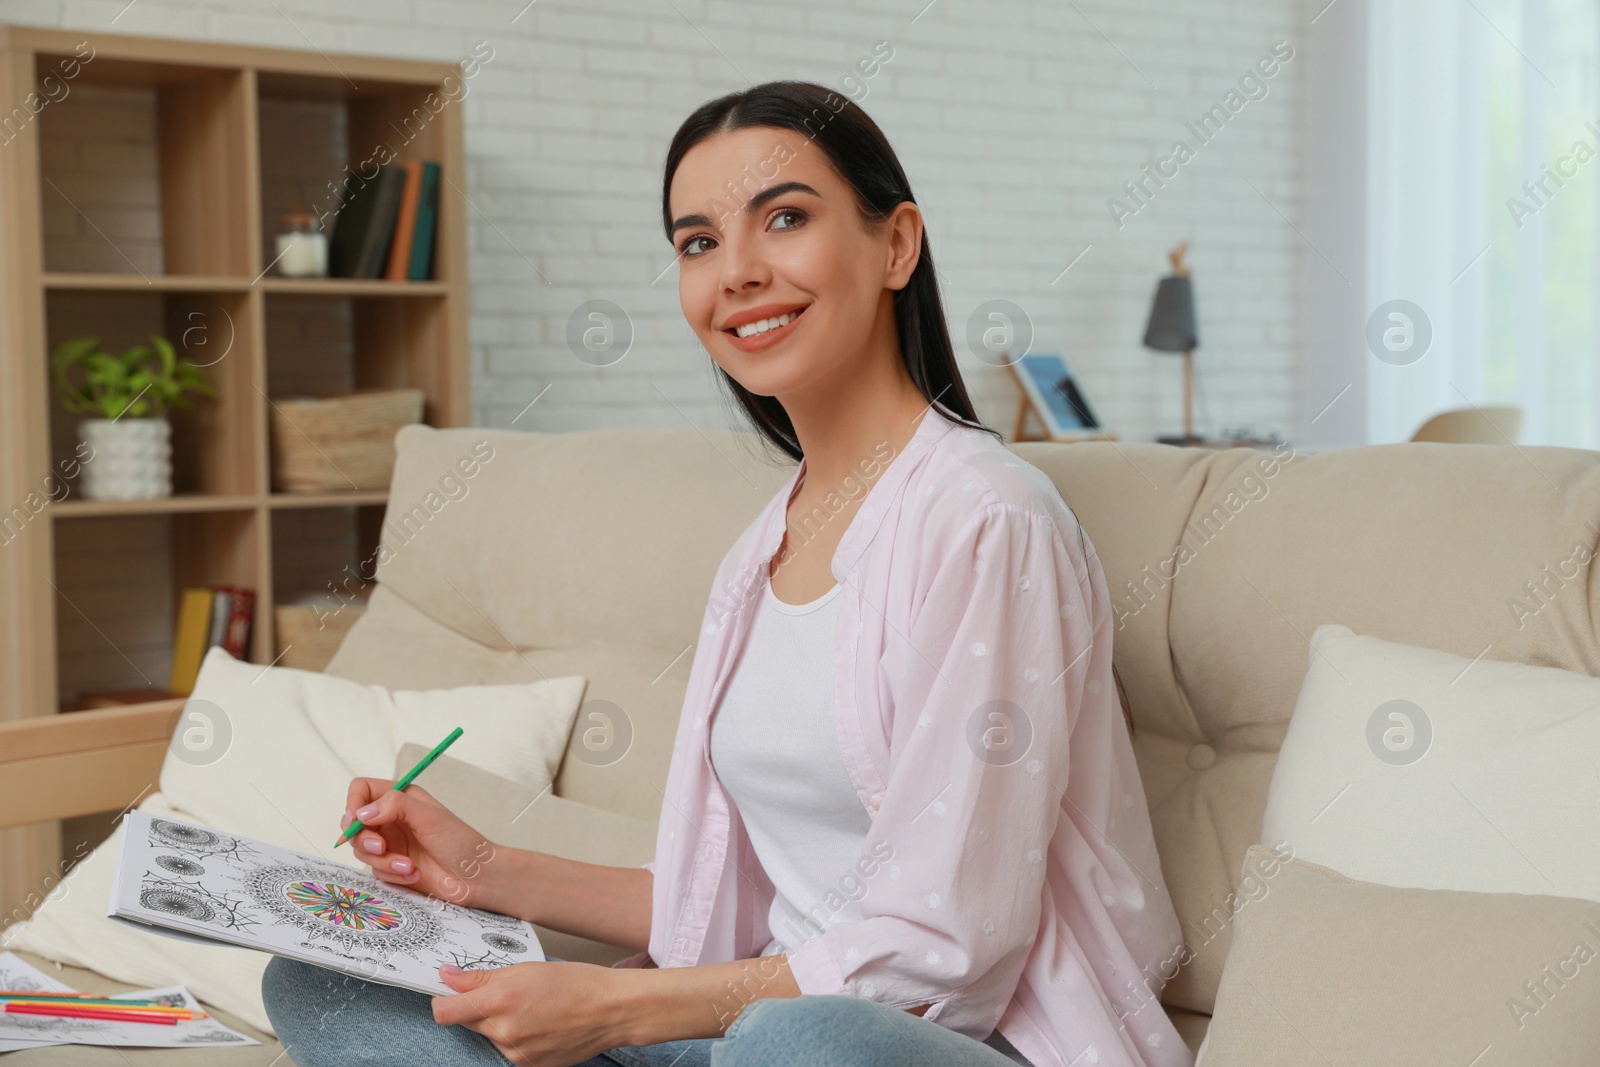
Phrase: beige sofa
(592, 554)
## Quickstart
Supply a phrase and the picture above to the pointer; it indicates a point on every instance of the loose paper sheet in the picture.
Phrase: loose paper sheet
(31, 1031)
(195, 881)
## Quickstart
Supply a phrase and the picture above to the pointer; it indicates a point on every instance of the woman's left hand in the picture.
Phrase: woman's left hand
(545, 1014)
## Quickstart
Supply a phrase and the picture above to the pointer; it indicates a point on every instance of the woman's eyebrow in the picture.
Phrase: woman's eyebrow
(755, 202)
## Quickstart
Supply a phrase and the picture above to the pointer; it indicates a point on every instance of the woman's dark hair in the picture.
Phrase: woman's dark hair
(861, 154)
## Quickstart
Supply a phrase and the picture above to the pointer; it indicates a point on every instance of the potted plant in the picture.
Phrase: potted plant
(127, 397)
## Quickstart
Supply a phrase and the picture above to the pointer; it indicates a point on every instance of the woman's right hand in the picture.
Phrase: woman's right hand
(410, 839)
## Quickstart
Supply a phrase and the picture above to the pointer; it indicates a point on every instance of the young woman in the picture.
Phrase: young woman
(903, 823)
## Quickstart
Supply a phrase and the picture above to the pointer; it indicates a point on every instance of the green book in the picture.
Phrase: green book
(421, 268)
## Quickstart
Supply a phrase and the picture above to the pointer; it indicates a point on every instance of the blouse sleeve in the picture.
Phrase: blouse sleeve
(983, 704)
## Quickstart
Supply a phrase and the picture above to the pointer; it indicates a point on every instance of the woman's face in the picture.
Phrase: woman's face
(772, 246)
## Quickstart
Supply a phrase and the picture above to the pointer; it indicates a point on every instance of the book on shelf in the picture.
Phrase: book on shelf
(405, 225)
(221, 611)
(385, 227)
(213, 616)
(427, 224)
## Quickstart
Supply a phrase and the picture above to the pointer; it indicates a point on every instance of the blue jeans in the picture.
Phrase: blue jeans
(328, 1019)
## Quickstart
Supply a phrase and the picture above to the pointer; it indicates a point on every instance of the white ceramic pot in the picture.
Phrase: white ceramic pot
(132, 458)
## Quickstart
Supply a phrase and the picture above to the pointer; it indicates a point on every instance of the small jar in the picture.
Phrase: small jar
(302, 246)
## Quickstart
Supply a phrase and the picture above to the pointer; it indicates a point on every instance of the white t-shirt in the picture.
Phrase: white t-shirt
(775, 748)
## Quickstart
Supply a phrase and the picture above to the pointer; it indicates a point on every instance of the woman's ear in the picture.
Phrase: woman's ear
(905, 244)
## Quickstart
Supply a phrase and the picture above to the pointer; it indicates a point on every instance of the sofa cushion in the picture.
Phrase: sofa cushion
(1326, 969)
(1412, 767)
(1223, 563)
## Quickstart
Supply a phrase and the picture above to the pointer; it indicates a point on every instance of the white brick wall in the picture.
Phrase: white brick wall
(1016, 120)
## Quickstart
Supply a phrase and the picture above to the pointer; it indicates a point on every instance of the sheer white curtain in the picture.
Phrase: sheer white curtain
(1483, 180)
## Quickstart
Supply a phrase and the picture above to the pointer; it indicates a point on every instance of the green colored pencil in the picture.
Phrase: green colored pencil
(422, 765)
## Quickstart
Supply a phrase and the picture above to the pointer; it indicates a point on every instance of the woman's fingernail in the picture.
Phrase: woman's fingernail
(450, 968)
(402, 866)
(367, 812)
(373, 846)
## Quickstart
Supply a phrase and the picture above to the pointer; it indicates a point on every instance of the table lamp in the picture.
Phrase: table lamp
(1172, 329)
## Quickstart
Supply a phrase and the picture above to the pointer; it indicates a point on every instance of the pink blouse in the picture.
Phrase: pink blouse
(1010, 876)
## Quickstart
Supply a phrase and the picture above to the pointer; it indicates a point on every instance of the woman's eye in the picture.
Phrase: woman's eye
(694, 246)
(796, 215)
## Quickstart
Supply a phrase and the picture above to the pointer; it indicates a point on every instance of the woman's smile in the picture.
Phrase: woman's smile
(762, 327)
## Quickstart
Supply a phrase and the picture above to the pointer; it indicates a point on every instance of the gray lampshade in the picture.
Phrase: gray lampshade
(1172, 327)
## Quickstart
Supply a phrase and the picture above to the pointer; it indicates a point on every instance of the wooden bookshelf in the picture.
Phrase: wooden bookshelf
(145, 199)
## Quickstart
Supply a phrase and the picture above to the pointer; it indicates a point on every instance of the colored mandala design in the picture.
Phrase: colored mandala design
(343, 906)
(356, 915)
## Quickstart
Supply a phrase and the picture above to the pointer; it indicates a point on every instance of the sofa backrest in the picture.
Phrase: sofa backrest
(592, 553)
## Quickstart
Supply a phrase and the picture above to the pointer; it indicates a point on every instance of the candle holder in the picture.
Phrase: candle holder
(302, 246)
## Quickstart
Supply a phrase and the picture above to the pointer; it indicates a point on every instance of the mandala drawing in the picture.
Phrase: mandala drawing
(175, 901)
(197, 841)
(344, 906)
(180, 865)
(355, 913)
(500, 922)
(504, 942)
(194, 901)
(182, 835)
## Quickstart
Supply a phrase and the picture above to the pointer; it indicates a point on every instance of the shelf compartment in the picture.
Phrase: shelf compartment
(327, 556)
(214, 446)
(322, 140)
(321, 345)
(117, 583)
(142, 167)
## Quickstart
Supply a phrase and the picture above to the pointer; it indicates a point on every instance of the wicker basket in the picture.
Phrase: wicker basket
(320, 444)
(308, 634)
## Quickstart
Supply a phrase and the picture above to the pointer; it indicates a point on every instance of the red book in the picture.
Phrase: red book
(236, 639)
(244, 610)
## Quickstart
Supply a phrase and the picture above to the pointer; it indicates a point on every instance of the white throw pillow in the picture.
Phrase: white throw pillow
(290, 741)
(1412, 767)
(269, 753)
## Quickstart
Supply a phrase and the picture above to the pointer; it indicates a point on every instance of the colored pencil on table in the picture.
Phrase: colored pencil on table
(75, 998)
(112, 1005)
(105, 1005)
(422, 765)
(64, 1011)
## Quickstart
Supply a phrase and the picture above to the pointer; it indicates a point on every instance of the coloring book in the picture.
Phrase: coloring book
(199, 883)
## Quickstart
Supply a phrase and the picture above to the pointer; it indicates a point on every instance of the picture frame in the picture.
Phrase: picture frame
(1050, 391)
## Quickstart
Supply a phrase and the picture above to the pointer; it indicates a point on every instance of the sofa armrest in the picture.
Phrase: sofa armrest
(76, 763)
